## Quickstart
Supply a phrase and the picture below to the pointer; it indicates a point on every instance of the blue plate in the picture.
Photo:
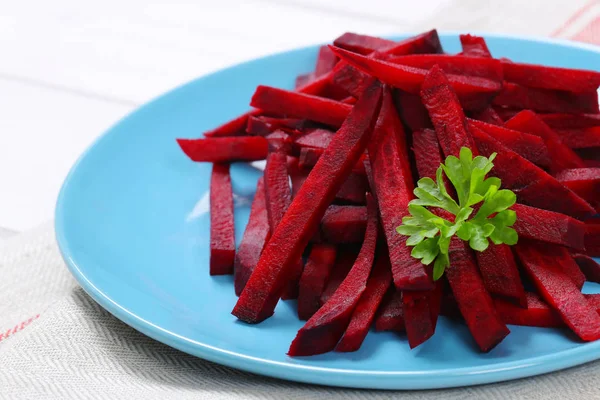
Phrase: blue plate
(132, 224)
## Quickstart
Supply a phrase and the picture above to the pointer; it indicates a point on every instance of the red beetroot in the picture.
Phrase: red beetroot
(528, 146)
(474, 92)
(277, 188)
(592, 238)
(489, 116)
(538, 76)
(354, 81)
(222, 232)
(474, 46)
(262, 125)
(363, 44)
(500, 273)
(354, 189)
(391, 313)
(571, 121)
(516, 96)
(412, 111)
(488, 68)
(255, 237)
(324, 329)
(297, 175)
(299, 105)
(561, 257)
(316, 272)
(561, 156)
(279, 141)
(393, 186)
(589, 267)
(235, 127)
(427, 42)
(583, 181)
(343, 224)
(548, 226)
(278, 199)
(559, 291)
(226, 149)
(275, 267)
(318, 86)
(326, 60)
(593, 300)
(473, 300)
(446, 113)
(535, 313)
(364, 312)
(591, 163)
(342, 267)
(428, 156)
(303, 80)
(310, 156)
(582, 138)
(532, 185)
(427, 153)
(256, 126)
(316, 138)
(506, 113)
(418, 320)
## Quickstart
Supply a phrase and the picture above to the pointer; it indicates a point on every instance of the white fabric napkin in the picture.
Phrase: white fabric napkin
(57, 343)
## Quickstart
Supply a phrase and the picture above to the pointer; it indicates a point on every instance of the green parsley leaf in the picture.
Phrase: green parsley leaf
(430, 234)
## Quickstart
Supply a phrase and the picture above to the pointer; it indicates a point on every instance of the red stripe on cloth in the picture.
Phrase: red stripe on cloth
(590, 33)
(17, 328)
(575, 17)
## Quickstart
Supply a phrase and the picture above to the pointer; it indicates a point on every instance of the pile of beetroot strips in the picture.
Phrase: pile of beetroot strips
(343, 153)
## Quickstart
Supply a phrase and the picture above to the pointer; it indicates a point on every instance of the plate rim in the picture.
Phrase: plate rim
(314, 374)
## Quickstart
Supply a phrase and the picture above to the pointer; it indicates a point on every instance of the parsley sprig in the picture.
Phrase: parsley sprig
(430, 234)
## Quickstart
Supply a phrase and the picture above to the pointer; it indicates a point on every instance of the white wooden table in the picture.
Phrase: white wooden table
(69, 69)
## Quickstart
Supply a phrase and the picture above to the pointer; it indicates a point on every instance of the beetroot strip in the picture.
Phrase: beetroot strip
(222, 231)
(592, 238)
(343, 224)
(473, 300)
(561, 156)
(589, 267)
(300, 105)
(325, 328)
(560, 292)
(226, 149)
(255, 237)
(530, 147)
(312, 282)
(446, 113)
(474, 92)
(573, 80)
(516, 96)
(393, 186)
(364, 312)
(556, 228)
(500, 273)
(531, 184)
(474, 46)
(390, 316)
(278, 199)
(487, 68)
(259, 298)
